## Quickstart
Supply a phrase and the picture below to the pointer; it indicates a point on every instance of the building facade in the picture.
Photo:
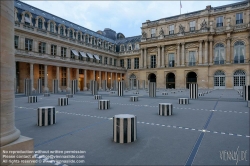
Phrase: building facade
(209, 47)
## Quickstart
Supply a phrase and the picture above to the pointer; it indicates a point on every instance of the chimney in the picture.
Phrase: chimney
(208, 7)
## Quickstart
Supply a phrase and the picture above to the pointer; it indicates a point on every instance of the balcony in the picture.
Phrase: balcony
(28, 27)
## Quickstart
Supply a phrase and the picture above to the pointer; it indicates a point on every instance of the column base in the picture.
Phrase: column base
(182, 65)
(21, 144)
(85, 88)
(68, 89)
(45, 89)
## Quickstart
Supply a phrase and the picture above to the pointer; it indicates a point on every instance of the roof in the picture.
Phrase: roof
(132, 39)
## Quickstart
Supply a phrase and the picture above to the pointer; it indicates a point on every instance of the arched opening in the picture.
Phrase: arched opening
(170, 80)
(132, 81)
(239, 79)
(219, 80)
(152, 77)
(191, 78)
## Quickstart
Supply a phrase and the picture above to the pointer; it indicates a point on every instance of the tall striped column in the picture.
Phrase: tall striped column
(120, 88)
(152, 89)
(246, 92)
(39, 86)
(93, 85)
(104, 85)
(137, 85)
(55, 86)
(114, 85)
(73, 86)
(27, 87)
(193, 91)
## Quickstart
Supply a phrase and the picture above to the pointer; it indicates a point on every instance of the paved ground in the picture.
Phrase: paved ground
(205, 132)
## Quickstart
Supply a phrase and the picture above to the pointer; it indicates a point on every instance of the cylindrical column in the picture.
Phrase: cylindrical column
(120, 88)
(55, 86)
(159, 57)
(182, 53)
(100, 80)
(111, 85)
(39, 86)
(85, 79)
(46, 89)
(141, 59)
(210, 52)
(246, 92)
(162, 57)
(8, 132)
(200, 52)
(178, 54)
(106, 78)
(206, 52)
(165, 109)
(94, 75)
(68, 79)
(193, 91)
(228, 50)
(77, 78)
(46, 116)
(32, 76)
(145, 58)
(93, 87)
(58, 77)
(152, 89)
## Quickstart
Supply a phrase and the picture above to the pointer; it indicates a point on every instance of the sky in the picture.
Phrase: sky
(121, 16)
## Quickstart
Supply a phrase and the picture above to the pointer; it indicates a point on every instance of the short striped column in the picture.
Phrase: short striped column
(120, 88)
(246, 92)
(73, 86)
(165, 109)
(200, 94)
(164, 93)
(62, 101)
(39, 86)
(32, 99)
(112, 92)
(136, 92)
(152, 89)
(93, 87)
(133, 98)
(69, 95)
(103, 104)
(248, 103)
(173, 92)
(124, 128)
(46, 94)
(98, 97)
(193, 91)
(46, 116)
(27, 87)
(183, 101)
(55, 86)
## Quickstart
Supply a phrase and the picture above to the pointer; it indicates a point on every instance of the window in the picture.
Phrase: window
(63, 52)
(128, 63)
(106, 60)
(63, 76)
(239, 18)
(171, 29)
(100, 57)
(192, 26)
(110, 61)
(171, 61)
(136, 64)
(61, 31)
(28, 44)
(192, 58)
(86, 39)
(71, 34)
(239, 78)
(40, 23)
(53, 49)
(114, 62)
(16, 41)
(239, 52)
(122, 62)
(41, 47)
(153, 61)
(79, 36)
(41, 73)
(137, 46)
(129, 48)
(51, 27)
(219, 79)
(219, 21)
(122, 47)
(219, 54)
(153, 32)
(27, 19)
(72, 55)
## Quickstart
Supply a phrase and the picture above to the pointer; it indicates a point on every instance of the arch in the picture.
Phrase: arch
(170, 80)
(239, 52)
(191, 77)
(27, 18)
(132, 76)
(219, 79)
(239, 78)
(152, 77)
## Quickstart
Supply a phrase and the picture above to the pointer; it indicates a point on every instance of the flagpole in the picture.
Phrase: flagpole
(180, 7)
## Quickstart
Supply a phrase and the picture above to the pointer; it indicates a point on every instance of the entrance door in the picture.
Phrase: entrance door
(170, 81)
(219, 80)
(191, 78)
(239, 79)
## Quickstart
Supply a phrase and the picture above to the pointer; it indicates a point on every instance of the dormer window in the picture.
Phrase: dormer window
(71, 34)
(129, 47)
(61, 31)
(153, 32)
(171, 29)
(122, 47)
(40, 23)
(219, 21)
(79, 36)
(192, 26)
(27, 19)
(51, 27)
(239, 18)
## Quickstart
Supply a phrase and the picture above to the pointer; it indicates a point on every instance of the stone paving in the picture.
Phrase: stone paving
(200, 133)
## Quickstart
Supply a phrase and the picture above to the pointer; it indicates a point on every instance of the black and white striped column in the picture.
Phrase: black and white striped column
(200, 94)
(73, 86)
(39, 86)
(103, 104)
(137, 85)
(55, 86)
(124, 128)
(136, 92)
(93, 87)
(183, 101)
(104, 85)
(120, 88)
(46, 116)
(246, 92)
(165, 109)
(193, 91)
(46, 94)
(98, 97)
(62, 101)
(164, 93)
(32, 99)
(133, 98)
(152, 89)
(69, 95)
(27, 87)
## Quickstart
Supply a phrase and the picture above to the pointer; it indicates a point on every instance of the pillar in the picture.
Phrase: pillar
(200, 52)
(85, 79)
(159, 57)
(100, 80)
(111, 85)
(58, 77)
(211, 52)
(206, 52)
(162, 57)
(145, 58)
(141, 59)
(182, 54)
(32, 76)
(77, 80)
(178, 54)
(106, 78)
(94, 75)
(46, 89)
(228, 50)
(68, 80)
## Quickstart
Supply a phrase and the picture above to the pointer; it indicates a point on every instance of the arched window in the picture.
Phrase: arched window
(71, 34)
(239, 78)
(61, 31)
(219, 79)
(27, 19)
(219, 54)
(239, 52)
(51, 27)
(40, 23)
(122, 47)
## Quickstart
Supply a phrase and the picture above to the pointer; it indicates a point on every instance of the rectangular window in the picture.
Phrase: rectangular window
(106, 60)
(239, 18)
(41, 47)
(53, 49)
(16, 41)
(153, 61)
(114, 62)
(72, 55)
(153, 32)
(110, 61)
(28, 44)
(171, 29)
(192, 26)
(219, 21)
(63, 76)
(136, 64)
(171, 61)
(128, 63)
(41, 73)
(100, 57)
(122, 62)
(192, 60)
(63, 52)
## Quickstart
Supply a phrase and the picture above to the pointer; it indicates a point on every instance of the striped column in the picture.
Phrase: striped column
(248, 103)
(164, 93)
(137, 85)
(104, 85)
(93, 85)
(120, 88)
(201, 94)
(183, 101)
(133, 98)
(73, 86)
(246, 92)
(124, 128)
(69, 95)
(32, 99)
(114, 85)
(55, 86)
(27, 87)
(98, 97)
(193, 91)
(39, 86)
(152, 89)
(62, 101)
(46, 94)
(46, 116)
(103, 104)
(165, 109)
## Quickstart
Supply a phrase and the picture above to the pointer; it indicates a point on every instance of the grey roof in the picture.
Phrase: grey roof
(126, 40)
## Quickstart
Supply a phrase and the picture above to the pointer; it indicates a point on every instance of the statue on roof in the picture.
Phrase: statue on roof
(144, 34)
(161, 33)
(181, 29)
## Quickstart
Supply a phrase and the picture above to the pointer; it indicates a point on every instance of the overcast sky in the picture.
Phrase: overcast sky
(121, 16)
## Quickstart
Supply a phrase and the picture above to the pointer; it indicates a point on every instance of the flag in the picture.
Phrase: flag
(180, 5)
